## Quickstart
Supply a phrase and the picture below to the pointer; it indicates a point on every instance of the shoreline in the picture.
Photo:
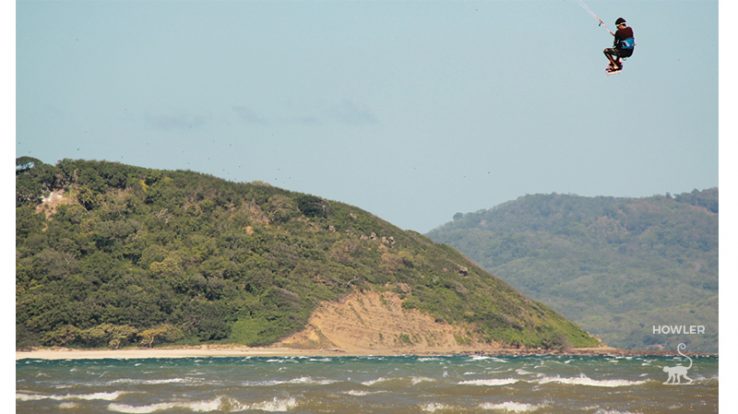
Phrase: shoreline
(235, 351)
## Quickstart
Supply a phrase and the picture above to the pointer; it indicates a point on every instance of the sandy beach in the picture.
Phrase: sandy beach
(168, 352)
(230, 350)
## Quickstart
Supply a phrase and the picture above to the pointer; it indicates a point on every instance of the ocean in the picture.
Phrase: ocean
(354, 385)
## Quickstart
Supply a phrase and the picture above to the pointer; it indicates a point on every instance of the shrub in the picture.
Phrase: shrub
(312, 206)
(159, 334)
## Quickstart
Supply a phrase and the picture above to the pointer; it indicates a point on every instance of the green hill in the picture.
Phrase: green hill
(617, 266)
(109, 254)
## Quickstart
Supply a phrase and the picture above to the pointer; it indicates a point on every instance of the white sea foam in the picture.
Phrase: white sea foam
(293, 360)
(426, 359)
(311, 380)
(275, 405)
(603, 411)
(185, 380)
(418, 380)
(521, 371)
(486, 357)
(490, 382)
(358, 393)
(374, 381)
(432, 407)
(195, 406)
(219, 404)
(584, 380)
(300, 380)
(266, 383)
(105, 396)
(511, 407)
(701, 379)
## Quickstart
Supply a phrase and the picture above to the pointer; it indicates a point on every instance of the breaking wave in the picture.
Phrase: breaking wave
(358, 393)
(432, 407)
(603, 411)
(300, 380)
(186, 380)
(275, 405)
(490, 382)
(105, 396)
(219, 404)
(418, 380)
(374, 381)
(584, 380)
(511, 407)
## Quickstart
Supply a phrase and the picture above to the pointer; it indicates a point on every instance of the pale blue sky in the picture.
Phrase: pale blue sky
(411, 110)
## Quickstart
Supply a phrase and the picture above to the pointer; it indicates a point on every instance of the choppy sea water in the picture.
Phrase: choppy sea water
(403, 384)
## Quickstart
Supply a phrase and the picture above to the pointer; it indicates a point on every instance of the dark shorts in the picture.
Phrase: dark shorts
(621, 53)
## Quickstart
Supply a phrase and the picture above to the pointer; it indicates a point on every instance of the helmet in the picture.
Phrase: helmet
(619, 20)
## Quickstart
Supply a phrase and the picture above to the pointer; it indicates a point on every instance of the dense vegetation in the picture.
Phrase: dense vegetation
(617, 266)
(111, 255)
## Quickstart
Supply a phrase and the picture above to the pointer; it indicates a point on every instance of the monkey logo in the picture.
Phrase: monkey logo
(678, 372)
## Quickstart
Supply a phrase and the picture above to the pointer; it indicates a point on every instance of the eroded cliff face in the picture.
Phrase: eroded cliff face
(366, 321)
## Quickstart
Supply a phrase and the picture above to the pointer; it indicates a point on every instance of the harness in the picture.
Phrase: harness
(627, 44)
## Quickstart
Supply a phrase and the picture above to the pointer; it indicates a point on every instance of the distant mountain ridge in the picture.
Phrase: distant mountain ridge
(617, 266)
(115, 255)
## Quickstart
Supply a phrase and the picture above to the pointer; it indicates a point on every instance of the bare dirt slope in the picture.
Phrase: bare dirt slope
(53, 201)
(371, 321)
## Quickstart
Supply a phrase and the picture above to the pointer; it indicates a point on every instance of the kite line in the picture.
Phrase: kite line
(600, 22)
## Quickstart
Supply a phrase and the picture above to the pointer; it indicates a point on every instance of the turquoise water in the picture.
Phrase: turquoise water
(406, 384)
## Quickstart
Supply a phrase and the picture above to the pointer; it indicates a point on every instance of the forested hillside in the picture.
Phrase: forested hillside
(113, 255)
(617, 266)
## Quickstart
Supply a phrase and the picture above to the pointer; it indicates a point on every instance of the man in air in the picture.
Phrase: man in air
(624, 44)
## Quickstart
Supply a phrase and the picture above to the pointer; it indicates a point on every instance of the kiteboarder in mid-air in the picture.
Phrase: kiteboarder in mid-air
(623, 46)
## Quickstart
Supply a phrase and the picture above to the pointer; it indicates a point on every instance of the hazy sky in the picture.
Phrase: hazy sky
(410, 110)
